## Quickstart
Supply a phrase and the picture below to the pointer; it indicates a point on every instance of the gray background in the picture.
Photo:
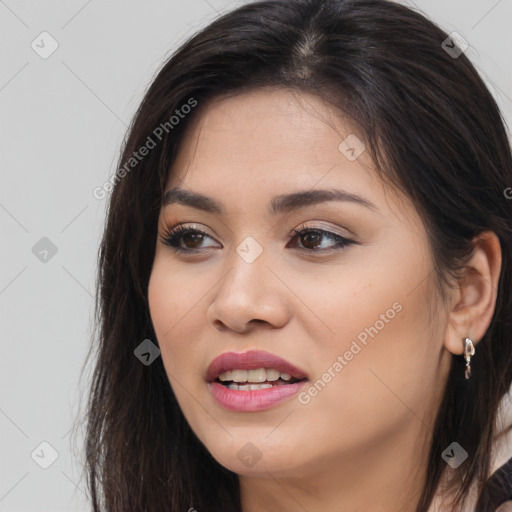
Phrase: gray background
(61, 125)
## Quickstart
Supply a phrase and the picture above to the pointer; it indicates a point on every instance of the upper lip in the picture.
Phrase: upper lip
(251, 360)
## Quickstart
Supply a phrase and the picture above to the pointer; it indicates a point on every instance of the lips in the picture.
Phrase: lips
(251, 360)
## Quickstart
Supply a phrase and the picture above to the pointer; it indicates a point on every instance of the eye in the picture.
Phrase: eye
(190, 236)
(189, 239)
(312, 238)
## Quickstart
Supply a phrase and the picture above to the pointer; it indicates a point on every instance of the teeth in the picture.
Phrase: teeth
(239, 375)
(249, 387)
(272, 374)
(226, 375)
(257, 376)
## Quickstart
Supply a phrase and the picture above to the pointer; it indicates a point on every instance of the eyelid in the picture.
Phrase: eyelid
(329, 229)
(180, 229)
(340, 241)
(173, 235)
(349, 235)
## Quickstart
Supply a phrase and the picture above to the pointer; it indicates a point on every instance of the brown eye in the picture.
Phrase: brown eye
(312, 238)
(184, 239)
(189, 240)
(192, 239)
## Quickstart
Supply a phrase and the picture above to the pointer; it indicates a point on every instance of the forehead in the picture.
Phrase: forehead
(267, 134)
(248, 152)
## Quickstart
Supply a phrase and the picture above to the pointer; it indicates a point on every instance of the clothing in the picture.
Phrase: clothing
(497, 490)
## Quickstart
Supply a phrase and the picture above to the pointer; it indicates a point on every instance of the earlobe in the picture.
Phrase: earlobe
(474, 300)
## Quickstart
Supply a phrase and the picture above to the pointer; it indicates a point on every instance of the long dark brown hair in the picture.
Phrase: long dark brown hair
(433, 130)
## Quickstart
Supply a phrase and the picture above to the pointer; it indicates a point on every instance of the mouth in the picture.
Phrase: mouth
(252, 368)
(255, 379)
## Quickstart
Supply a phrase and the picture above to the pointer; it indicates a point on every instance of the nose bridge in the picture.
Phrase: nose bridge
(249, 290)
(248, 275)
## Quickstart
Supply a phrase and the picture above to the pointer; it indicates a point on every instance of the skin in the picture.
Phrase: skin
(361, 443)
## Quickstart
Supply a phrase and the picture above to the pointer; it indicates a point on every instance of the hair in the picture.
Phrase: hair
(432, 129)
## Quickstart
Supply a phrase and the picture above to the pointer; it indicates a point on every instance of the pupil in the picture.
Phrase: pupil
(313, 235)
(197, 240)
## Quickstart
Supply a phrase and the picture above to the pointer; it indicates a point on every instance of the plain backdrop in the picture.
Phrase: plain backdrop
(62, 121)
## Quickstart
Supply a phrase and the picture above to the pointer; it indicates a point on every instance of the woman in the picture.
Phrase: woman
(304, 297)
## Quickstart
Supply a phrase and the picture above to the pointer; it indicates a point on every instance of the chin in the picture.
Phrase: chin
(249, 458)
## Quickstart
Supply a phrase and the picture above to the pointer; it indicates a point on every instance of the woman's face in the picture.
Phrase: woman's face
(354, 316)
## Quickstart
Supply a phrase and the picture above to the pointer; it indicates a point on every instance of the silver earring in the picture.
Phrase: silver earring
(469, 350)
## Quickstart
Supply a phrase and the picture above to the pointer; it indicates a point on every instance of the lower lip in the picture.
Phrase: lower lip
(253, 400)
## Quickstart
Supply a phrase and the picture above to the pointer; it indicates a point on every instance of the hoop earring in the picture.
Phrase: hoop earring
(469, 350)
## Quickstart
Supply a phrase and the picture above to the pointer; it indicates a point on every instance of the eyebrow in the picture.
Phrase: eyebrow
(280, 204)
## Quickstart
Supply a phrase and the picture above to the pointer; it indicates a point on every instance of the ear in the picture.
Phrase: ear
(474, 299)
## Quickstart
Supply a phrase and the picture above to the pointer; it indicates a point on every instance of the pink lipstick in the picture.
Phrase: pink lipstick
(253, 380)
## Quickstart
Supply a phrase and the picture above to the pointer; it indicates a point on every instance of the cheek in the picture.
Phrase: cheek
(175, 305)
(389, 344)
(173, 295)
(174, 308)
(389, 356)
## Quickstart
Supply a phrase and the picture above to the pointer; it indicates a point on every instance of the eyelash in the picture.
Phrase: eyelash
(172, 237)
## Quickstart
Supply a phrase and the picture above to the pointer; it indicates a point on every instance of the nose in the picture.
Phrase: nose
(250, 294)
